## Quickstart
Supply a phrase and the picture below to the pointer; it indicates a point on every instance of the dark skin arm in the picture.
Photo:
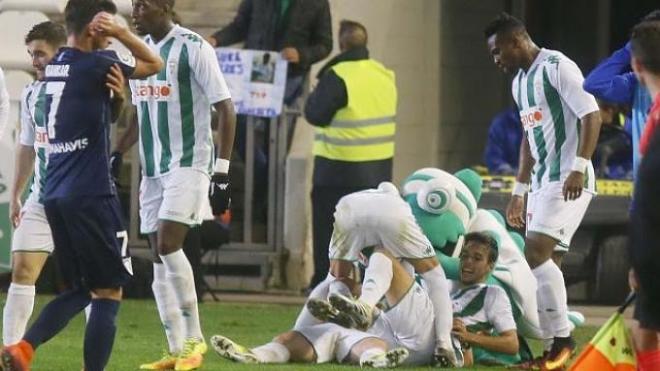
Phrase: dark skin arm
(226, 127)
(588, 140)
(116, 82)
(130, 136)
(516, 206)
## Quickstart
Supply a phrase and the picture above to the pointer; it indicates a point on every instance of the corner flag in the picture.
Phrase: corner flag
(611, 348)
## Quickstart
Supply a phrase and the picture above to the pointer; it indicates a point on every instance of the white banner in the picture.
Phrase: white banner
(256, 80)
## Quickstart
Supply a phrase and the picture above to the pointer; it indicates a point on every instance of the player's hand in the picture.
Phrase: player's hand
(291, 55)
(15, 207)
(220, 193)
(213, 41)
(459, 330)
(573, 186)
(116, 160)
(632, 280)
(115, 81)
(104, 24)
(515, 212)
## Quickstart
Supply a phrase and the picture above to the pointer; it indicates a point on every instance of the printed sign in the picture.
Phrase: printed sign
(256, 80)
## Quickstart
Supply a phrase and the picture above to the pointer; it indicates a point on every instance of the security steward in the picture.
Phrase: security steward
(353, 109)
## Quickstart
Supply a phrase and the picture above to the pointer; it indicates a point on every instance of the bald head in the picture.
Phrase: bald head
(352, 35)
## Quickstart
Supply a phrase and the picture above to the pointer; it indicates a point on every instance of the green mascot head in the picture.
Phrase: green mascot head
(443, 204)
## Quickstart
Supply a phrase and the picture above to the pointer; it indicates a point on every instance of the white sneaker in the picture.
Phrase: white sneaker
(391, 359)
(228, 349)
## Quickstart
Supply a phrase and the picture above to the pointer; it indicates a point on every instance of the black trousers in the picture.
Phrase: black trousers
(645, 237)
(324, 200)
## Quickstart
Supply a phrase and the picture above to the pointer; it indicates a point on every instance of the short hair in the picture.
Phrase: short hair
(484, 239)
(504, 24)
(645, 44)
(355, 33)
(78, 13)
(52, 33)
(653, 16)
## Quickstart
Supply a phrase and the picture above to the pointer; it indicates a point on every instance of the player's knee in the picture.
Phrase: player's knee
(25, 274)
(167, 246)
(107, 293)
(423, 265)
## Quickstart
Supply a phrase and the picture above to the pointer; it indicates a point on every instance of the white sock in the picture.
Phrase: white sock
(370, 353)
(168, 309)
(338, 287)
(320, 292)
(551, 296)
(272, 352)
(377, 279)
(180, 276)
(438, 289)
(17, 312)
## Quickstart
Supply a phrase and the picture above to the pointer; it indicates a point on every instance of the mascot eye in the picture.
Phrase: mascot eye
(435, 197)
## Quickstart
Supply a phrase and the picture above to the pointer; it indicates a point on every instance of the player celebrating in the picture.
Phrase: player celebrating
(381, 217)
(561, 123)
(32, 240)
(393, 339)
(483, 317)
(79, 196)
(176, 156)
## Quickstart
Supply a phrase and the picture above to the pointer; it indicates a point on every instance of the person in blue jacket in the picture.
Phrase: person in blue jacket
(613, 81)
(502, 148)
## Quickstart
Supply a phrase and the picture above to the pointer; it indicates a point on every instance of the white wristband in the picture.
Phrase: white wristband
(221, 166)
(580, 164)
(519, 189)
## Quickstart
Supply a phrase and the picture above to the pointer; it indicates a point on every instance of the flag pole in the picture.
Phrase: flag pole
(631, 297)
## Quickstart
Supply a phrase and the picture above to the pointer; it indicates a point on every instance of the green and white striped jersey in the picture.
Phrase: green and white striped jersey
(35, 133)
(174, 106)
(551, 102)
(482, 307)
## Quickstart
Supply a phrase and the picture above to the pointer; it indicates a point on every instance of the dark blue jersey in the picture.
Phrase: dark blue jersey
(78, 111)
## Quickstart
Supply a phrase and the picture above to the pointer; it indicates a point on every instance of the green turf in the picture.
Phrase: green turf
(140, 337)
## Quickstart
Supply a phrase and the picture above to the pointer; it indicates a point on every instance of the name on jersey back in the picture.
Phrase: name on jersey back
(57, 70)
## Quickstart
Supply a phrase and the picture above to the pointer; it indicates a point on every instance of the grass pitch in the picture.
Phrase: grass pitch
(140, 337)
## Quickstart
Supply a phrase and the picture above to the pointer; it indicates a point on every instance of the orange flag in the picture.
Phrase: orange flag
(610, 350)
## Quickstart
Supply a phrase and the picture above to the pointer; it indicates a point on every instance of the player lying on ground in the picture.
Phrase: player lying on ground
(483, 318)
(381, 217)
(396, 337)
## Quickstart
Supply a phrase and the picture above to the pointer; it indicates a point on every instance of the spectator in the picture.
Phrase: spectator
(613, 81)
(613, 156)
(503, 146)
(302, 32)
(353, 109)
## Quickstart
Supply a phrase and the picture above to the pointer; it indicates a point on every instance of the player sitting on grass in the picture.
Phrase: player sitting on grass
(404, 334)
(483, 318)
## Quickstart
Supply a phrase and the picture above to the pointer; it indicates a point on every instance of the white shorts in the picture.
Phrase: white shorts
(549, 214)
(33, 232)
(177, 196)
(365, 219)
(409, 324)
(332, 342)
(399, 327)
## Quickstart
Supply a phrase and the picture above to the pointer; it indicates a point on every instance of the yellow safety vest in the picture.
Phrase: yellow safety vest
(364, 129)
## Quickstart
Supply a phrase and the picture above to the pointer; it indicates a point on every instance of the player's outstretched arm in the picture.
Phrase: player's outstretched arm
(506, 342)
(147, 62)
(220, 189)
